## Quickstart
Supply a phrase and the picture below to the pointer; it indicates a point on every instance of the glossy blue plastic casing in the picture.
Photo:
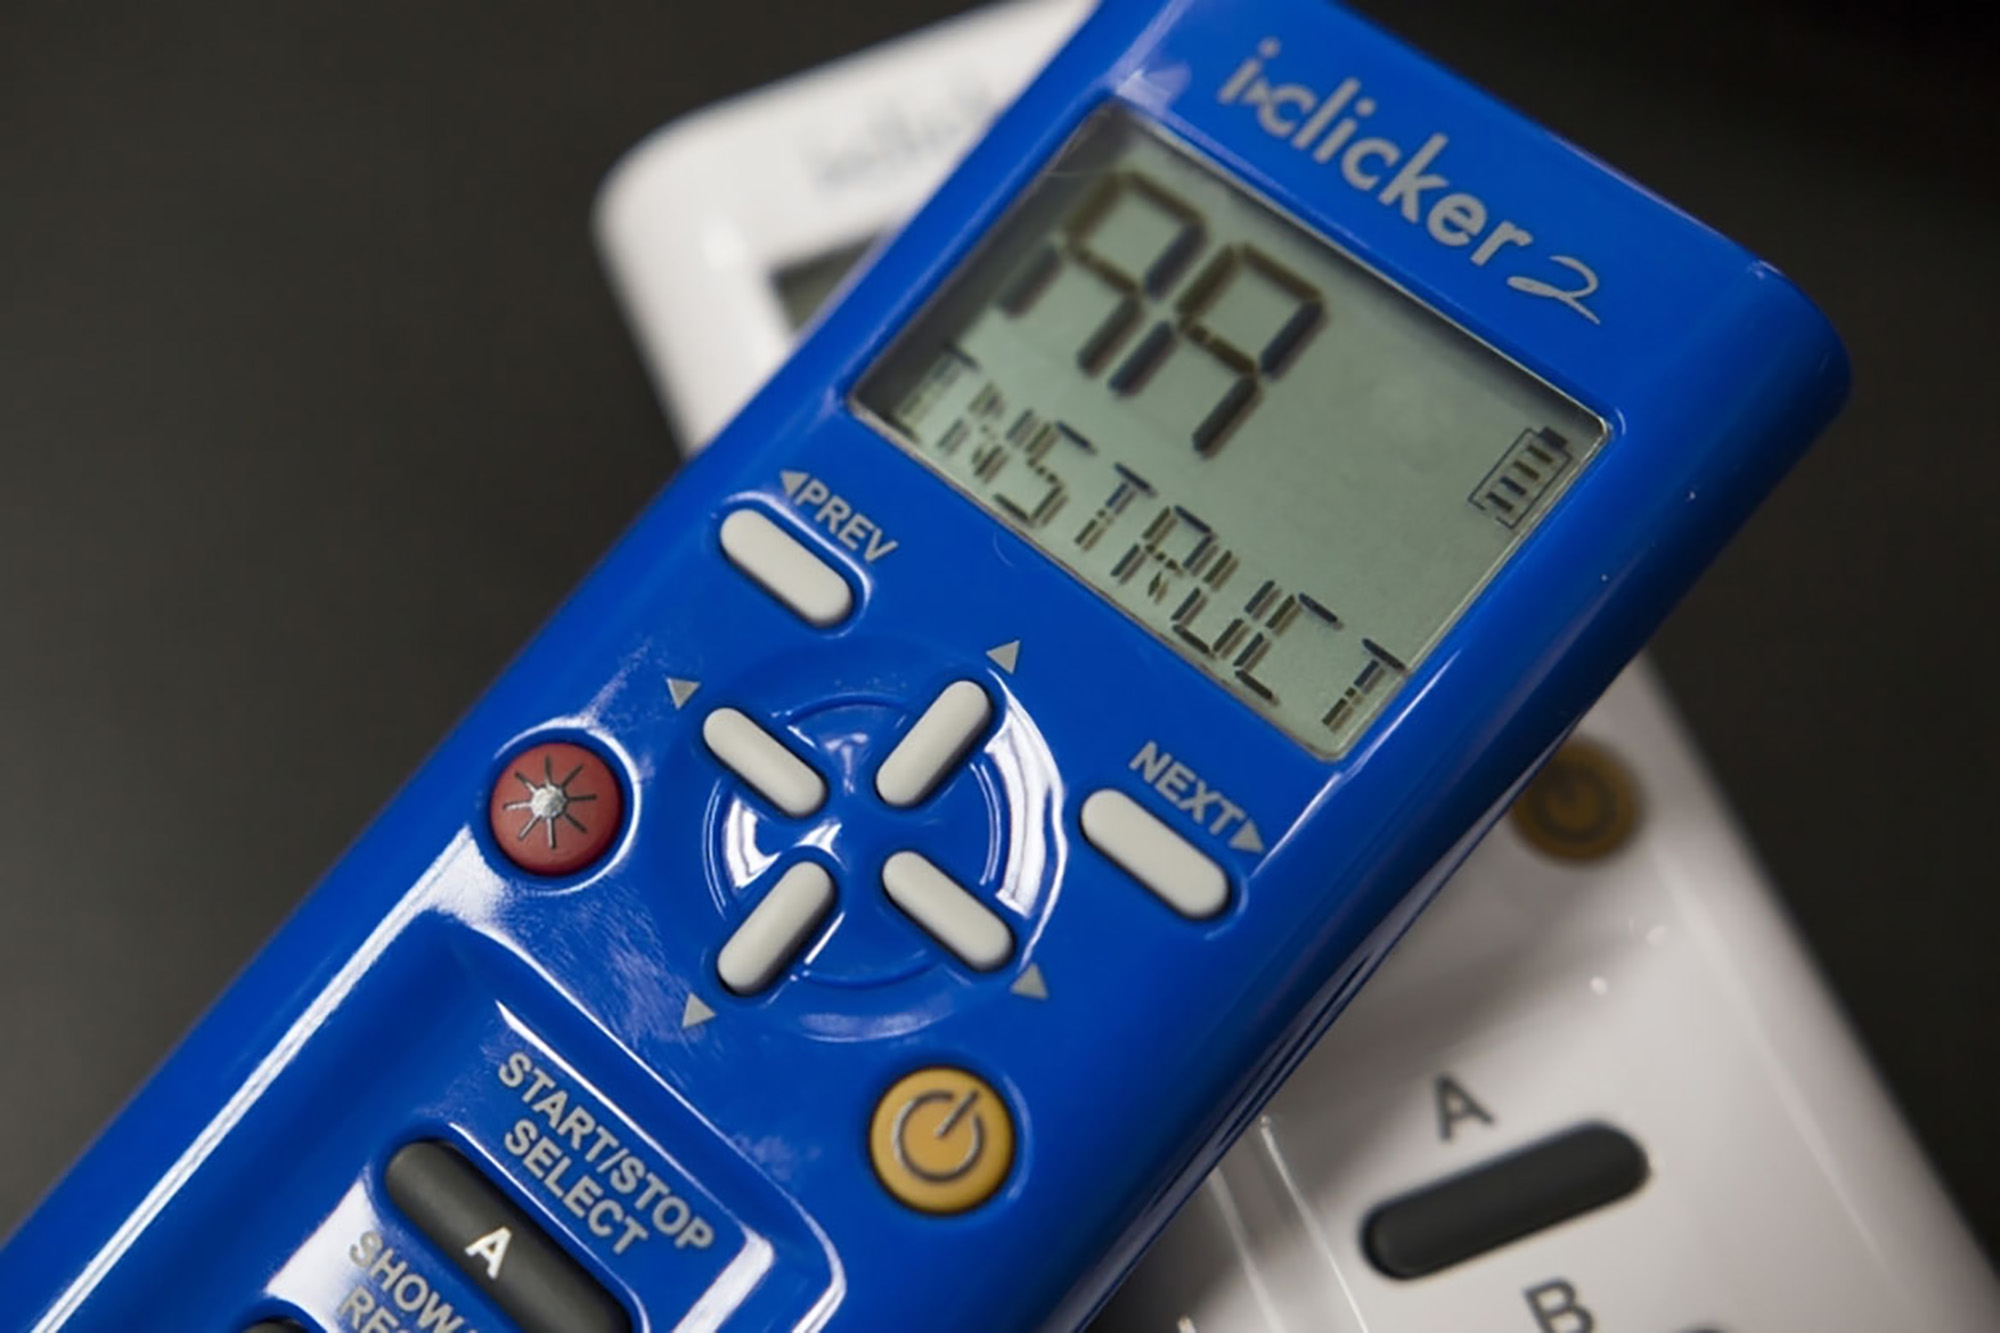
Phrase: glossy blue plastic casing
(237, 1182)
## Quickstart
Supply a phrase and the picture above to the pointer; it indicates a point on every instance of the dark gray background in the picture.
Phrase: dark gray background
(313, 401)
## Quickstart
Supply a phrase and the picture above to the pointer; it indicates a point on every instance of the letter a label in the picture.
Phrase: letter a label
(492, 1247)
(1455, 1104)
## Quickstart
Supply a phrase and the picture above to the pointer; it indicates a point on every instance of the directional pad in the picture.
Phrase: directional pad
(863, 835)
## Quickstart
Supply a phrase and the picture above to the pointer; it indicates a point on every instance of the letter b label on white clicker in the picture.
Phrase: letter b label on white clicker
(1558, 1310)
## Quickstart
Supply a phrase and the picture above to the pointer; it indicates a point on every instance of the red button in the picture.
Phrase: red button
(555, 809)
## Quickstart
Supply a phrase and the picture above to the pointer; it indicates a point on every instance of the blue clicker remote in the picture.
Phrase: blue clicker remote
(880, 894)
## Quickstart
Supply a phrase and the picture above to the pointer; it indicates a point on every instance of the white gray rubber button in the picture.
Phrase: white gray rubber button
(786, 568)
(762, 760)
(939, 740)
(942, 906)
(776, 929)
(1150, 852)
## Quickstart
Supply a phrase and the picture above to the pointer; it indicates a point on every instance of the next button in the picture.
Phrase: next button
(1155, 855)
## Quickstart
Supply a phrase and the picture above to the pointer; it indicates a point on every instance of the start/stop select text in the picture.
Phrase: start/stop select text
(593, 1174)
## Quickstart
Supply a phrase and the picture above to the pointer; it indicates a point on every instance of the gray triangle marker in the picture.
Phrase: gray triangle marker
(1006, 655)
(791, 481)
(1030, 984)
(681, 690)
(1246, 839)
(696, 1012)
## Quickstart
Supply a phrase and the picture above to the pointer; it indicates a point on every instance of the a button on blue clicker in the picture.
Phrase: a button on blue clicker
(497, 1245)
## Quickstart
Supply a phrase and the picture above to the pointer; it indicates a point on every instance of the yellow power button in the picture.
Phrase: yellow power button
(1582, 805)
(942, 1140)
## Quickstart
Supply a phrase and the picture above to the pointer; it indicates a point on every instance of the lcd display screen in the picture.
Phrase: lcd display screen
(1289, 470)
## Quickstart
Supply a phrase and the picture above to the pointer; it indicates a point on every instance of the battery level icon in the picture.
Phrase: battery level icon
(1522, 477)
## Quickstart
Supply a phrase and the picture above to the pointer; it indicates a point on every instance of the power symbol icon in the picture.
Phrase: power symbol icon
(1581, 806)
(942, 1140)
(933, 1155)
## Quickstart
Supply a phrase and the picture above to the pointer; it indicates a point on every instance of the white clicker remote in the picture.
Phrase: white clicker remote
(725, 230)
(1598, 1089)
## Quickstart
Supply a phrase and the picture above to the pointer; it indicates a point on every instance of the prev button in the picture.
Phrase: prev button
(497, 1245)
(786, 568)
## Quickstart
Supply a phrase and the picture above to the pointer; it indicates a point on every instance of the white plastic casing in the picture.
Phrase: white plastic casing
(1659, 990)
(695, 221)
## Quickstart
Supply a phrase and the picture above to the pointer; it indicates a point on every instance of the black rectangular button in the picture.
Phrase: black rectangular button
(497, 1245)
(1503, 1200)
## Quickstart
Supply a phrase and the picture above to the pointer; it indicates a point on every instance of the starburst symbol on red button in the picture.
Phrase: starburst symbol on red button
(548, 801)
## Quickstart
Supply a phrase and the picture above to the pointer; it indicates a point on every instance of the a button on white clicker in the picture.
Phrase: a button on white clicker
(762, 760)
(786, 568)
(1155, 855)
(937, 741)
(776, 929)
(938, 903)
